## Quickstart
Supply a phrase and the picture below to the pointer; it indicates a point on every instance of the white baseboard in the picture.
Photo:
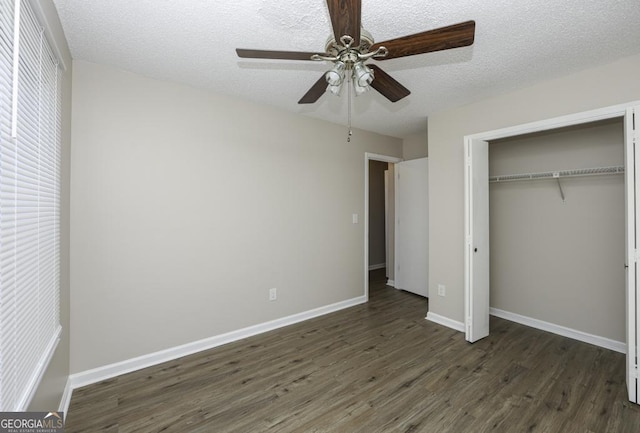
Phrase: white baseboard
(378, 266)
(617, 346)
(99, 374)
(391, 283)
(445, 321)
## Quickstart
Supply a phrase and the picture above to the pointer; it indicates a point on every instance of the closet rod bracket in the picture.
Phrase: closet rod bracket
(556, 175)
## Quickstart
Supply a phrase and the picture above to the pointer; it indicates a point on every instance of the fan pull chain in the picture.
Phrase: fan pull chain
(349, 110)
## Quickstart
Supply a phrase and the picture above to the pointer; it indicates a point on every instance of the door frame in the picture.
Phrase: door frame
(370, 157)
(471, 293)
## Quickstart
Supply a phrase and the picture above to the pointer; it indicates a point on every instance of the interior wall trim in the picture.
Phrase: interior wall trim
(378, 266)
(445, 321)
(109, 371)
(607, 343)
(65, 401)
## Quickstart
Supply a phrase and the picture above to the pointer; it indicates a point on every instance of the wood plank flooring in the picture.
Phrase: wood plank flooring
(378, 367)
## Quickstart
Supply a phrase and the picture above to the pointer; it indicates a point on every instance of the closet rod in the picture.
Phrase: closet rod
(595, 171)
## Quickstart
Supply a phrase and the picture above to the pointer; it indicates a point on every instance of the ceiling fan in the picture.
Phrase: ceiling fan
(351, 46)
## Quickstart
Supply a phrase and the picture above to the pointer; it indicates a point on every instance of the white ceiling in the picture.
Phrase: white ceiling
(517, 43)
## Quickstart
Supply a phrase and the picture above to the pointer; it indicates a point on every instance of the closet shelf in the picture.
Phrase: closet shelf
(595, 171)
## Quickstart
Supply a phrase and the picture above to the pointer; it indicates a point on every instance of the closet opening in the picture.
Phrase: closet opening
(556, 231)
(477, 249)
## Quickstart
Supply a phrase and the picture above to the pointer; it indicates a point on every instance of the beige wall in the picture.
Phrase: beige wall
(560, 262)
(606, 85)
(186, 207)
(376, 212)
(50, 391)
(415, 146)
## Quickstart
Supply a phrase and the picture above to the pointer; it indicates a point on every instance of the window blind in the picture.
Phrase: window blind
(30, 112)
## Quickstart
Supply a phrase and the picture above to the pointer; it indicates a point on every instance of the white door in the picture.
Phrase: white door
(477, 239)
(632, 191)
(412, 226)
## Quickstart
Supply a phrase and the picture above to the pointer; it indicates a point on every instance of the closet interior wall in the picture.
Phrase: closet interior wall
(559, 261)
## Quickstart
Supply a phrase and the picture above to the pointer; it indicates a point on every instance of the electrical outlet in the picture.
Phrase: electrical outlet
(441, 290)
(273, 294)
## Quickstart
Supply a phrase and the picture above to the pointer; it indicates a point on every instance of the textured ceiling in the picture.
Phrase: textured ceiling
(517, 43)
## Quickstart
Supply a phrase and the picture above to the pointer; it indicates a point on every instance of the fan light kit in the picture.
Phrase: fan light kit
(350, 60)
(351, 46)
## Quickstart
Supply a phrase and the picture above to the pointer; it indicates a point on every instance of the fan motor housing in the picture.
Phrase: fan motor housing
(334, 48)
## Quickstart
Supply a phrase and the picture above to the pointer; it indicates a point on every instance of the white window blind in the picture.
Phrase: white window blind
(30, 110)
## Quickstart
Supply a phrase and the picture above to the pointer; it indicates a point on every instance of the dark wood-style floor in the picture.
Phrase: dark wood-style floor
(378, 367)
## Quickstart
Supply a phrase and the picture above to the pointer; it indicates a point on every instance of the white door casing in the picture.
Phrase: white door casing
(387, 252)
(632, 195)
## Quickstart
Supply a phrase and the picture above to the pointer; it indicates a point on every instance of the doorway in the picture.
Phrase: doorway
(388, 242)
(379, 232)
(407, 225)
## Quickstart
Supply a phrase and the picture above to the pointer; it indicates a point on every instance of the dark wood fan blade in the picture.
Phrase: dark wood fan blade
(444, 38)
(387, 85)
(315, 92)
(345, 18)
(278, 55)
